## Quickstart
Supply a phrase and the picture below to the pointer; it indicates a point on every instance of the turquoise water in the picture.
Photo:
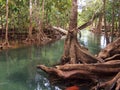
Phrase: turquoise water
(18, 66)
(94, 42)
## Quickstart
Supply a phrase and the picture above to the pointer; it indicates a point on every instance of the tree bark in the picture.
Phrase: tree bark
(119, 19)
(109, 85)
(69, 46)
(84, 71)
(105, 26)
(73, 16)
(60, 30)
(6, 33)
(30, 12)
(99, 26)
(110, 50)
(41, 37)
(113, 19)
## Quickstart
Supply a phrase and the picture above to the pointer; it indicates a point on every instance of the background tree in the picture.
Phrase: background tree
(30, 18)
(119, 18)
(88, 10)
(6, 43)
(105, 25)
(113, 17)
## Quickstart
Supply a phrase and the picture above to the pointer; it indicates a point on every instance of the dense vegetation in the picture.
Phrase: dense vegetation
(23, 19)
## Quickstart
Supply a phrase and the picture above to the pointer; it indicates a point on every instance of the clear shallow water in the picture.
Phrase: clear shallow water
(18, 66)
(94, 42)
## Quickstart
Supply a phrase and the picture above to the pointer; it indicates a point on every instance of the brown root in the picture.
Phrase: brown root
(83, 71)
(4, 45)
(110, 85)
(114, 57)
(110, 50)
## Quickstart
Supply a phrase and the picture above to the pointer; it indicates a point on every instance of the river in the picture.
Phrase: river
(18, 66)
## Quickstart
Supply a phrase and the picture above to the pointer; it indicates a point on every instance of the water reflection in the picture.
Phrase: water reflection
(94, 42)
(18, 67)
(43, 83)
(103, 41)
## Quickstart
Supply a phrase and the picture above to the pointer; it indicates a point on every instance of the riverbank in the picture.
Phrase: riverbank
(18, 44)
(49, 35)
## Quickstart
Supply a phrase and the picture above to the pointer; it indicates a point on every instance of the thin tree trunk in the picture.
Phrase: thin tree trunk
(113, 19)
(30, 27)
(95, 22)
(119, 18)
(116, 26)
(19, 26)
(41, 36)
(35, 2)
(105, 27)
(43, 11)
(7, 10)
(2, 28)
(99, 26)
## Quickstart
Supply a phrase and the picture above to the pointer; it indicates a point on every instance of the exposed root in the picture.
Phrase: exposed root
(114, 57)
(110, 50)
(4, 45)
(29, 41)
(75, 53)
(110, 85)
(79, 64)
(83, 71)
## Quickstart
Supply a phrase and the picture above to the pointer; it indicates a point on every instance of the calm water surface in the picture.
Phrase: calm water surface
(18, 66)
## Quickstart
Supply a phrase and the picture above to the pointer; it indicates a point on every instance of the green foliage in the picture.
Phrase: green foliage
(93, 6)
(56, 12)
(109, 10)
(88, 10)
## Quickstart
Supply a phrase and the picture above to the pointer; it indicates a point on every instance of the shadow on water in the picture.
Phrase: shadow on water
(18, 66)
